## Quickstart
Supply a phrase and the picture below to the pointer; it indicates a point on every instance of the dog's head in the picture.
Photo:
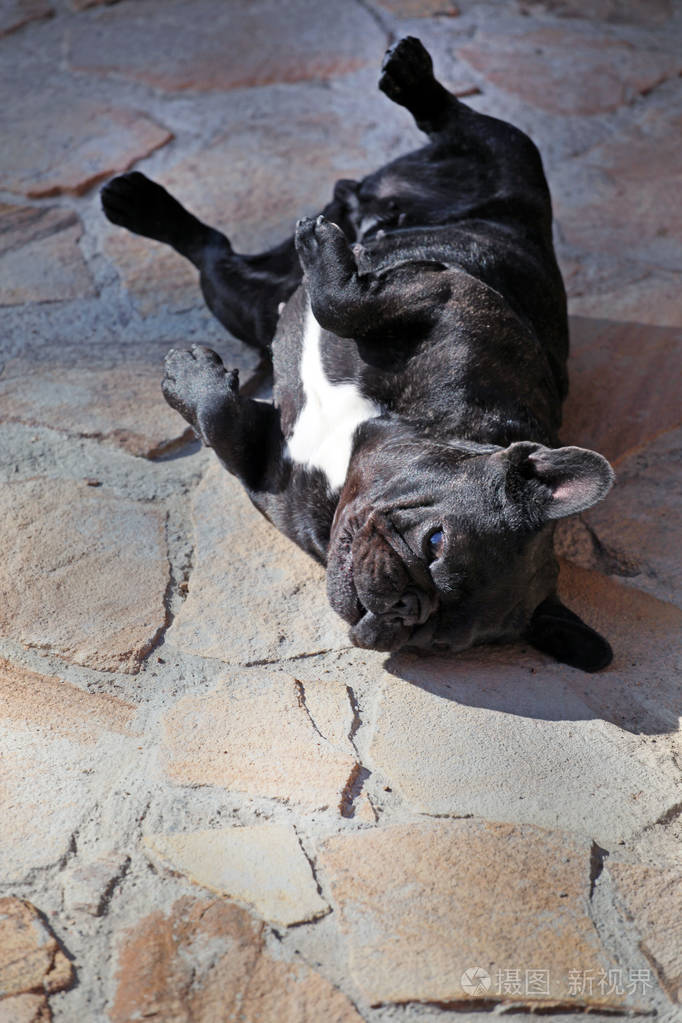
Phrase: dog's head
(445, 547)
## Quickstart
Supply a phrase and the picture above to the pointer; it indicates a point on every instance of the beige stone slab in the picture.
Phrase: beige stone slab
(245, 43)
(25, 1009)
(652, 898)
(566, 71)
(31, 960)
(85, 575)
(624, 388)
(121, 404)
(636, 12)
(253, 595)
(74, 141)
(608, 200)
(163, 970)
(262, 865)
(52, 706)
(49, 785)
(640, 690)
(255, 735)
(653, 299)
(636, 533)
(423, 903)
(40, 260)
(499, 741)
(276, 159)
(16, 13)
(420, 8)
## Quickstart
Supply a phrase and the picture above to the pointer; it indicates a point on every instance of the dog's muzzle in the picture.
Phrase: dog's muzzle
(377, 584)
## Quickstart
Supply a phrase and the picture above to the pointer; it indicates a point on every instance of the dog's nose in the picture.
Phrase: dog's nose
(413, 608)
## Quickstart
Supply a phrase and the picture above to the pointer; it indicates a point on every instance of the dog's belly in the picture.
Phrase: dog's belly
(322, 436)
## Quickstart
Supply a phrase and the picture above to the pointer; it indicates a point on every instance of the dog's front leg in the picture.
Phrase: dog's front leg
(245, 434)
(357, 305)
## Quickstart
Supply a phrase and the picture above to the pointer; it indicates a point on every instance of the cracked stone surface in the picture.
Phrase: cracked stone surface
(249, 43)
(420, 903)
(262, 865)
(256, 735)
(32, 965)
(565, 71)
(120, 404)
(479, 745)
(284, 619)
(653, 899)
(39, 256)
(74, 142)
(16, 13)
(238, 976)
(216, 805)
(86, 574)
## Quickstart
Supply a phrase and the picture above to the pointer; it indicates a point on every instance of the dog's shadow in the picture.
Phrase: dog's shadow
(638, 692)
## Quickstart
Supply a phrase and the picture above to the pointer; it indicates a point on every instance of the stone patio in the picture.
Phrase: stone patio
(213, 808)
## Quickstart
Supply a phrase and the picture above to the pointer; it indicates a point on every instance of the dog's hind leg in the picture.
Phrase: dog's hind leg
(407, 78)
(243, 292)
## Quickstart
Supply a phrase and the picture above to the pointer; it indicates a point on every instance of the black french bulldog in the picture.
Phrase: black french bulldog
(419, 340)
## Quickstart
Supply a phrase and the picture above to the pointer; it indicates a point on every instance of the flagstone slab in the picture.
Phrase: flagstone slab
(276, 159)
(653, 298)
(461, 738)
(424, 905)
(163, 970)
(636, 12)
(74, 141)
(256, 735)
(640, 690)
(420, 8)
(262, 865)
(57, 708)
(121, 404)
(86, 574)
(15, 14)
(565, 71)
(245, 43)
(608, 201)
(253, 595)
(636, 532)
(652, 899)
(32, 965)
(623, 385)
(40, 260)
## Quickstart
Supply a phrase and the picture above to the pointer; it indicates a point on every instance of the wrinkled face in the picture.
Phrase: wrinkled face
(435, 546)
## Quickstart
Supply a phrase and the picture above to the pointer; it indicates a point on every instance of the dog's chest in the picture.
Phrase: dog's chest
(328, 413)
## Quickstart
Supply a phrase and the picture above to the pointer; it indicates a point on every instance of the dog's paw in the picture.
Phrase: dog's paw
(406, 69)
(319, 239)
(142, 206)
(198, 386)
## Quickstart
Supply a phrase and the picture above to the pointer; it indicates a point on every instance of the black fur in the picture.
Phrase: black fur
(437, 287)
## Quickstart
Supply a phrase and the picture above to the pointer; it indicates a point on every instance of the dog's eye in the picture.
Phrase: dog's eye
(435, 544)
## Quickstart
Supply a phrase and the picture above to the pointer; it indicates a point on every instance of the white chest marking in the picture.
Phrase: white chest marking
(323, 433)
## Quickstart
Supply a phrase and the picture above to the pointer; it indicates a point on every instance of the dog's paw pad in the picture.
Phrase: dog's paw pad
(319, 235)
(406, 68)
(196, 381)
(135, 202)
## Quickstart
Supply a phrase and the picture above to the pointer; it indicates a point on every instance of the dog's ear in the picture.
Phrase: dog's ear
(563, 635)
(563, 480)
